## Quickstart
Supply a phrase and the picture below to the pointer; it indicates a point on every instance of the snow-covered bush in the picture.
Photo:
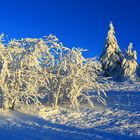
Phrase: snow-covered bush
(84, 74)
(21, 75)
(75, 75)
(34, 69)
(111, 57)
(129, 64)
(72, 76)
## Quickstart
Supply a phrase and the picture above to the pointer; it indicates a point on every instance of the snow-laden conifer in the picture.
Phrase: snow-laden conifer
(111, 57)
(129, 64)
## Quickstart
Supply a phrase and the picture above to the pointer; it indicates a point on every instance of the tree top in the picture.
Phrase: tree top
(111, 26)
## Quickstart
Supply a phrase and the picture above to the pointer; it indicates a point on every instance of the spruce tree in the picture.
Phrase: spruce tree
(111, 57)
(129, 64)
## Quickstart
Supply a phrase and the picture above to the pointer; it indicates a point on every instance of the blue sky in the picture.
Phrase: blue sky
(78, 23)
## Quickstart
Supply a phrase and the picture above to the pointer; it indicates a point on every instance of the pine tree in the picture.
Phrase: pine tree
(111, 57)
(129, 64)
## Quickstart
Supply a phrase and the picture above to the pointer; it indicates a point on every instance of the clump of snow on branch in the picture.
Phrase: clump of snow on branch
(37, 71)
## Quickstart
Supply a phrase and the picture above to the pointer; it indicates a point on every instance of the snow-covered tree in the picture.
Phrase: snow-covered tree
(83, 75)
(73, 76)
(111, 57)
(20, 75)
(138, 71)
(34, 69)
(129, 64)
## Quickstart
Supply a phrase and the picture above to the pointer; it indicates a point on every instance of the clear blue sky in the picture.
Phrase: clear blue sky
(79, 23)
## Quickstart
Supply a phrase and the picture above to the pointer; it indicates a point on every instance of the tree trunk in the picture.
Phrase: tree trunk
(56, 98)
(13, 104)
(5, 103)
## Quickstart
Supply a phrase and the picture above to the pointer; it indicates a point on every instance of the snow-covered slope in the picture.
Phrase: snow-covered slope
(118, 120)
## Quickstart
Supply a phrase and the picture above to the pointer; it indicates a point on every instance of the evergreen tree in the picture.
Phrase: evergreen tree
(129, 64)
(138, 70)
(111, 57)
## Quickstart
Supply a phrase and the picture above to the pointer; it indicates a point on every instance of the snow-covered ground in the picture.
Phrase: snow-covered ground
(118, 120)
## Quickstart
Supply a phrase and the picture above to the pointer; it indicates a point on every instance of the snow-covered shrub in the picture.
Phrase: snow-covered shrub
(129, 64)
(72, 76)
(111, 57)
(21, 76)
(34, 69)
(83, 75)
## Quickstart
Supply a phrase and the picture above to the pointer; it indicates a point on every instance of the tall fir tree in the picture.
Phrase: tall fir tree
(111, 57)
(129, 64)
